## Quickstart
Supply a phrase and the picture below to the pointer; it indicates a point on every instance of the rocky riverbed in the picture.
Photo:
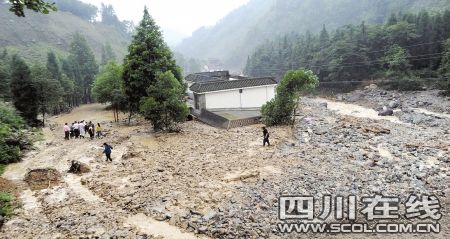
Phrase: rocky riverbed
(212, 183)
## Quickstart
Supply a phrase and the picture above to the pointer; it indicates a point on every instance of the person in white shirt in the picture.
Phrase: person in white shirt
(66, 132)
(81, 126)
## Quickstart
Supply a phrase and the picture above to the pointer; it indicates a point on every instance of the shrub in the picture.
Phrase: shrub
(279, 110)
(6, 207)
(10, 126)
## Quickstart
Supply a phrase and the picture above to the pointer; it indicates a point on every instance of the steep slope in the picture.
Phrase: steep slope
(33, 36)
(234, 37)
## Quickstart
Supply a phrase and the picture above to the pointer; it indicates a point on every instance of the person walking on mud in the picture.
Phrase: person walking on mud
(265, 137)
(86, 127)
(98, 130)
(72, 131)
(76, 129)
(91, 131)
(81, 126)
(66, 132)
(107, 151)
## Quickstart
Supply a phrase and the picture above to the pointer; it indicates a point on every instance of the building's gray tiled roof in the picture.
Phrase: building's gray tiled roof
(233, 84)
(208, 76)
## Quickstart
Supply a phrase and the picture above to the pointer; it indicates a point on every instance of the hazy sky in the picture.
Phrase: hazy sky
(181, 16)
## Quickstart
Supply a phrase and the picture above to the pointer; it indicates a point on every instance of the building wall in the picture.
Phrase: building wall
(199, 101)
(256, 97)
(249, 98)
(223, 99)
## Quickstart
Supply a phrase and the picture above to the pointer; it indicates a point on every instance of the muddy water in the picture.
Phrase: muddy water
(74, 183)
(29, 201)
(156, 228)
(357, 111)
(430, 113)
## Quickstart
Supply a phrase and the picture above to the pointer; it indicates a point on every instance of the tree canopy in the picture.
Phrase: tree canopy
(148, 57)
(406, 46)
(24, 91)
(18, 6)
(10, 121)
(82, 67)
(5, 78)
(78, 8)
(165, 105)
(48, 89)
(444, 69)
(281, 109)
(108, 88)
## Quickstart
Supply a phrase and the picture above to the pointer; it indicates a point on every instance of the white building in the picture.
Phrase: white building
(247, 93)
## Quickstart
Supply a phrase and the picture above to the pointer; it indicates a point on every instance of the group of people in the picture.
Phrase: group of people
(80, 129)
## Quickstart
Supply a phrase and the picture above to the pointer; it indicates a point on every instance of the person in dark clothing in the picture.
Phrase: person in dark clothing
(76, 129)
(265, 137)
(86, 127)
(107, 151)
(72, 131)
(91, 131)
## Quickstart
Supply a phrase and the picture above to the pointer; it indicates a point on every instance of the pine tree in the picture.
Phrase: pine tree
(5, 79)
(392, 20)
(148, 56)
(324, 37)
(53, 66)
(24, 92)
(84, 66)
(107, 54)
(48, 90)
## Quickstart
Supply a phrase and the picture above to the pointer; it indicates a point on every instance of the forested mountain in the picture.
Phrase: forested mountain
(407, 47)
(237, 35)
(33, 36)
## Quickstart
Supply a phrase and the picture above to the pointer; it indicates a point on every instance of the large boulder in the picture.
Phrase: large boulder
(78, 168)
(394, 104)
(371, 87)
(386, 112)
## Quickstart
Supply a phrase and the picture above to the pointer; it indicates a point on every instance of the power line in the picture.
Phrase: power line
(365, 63)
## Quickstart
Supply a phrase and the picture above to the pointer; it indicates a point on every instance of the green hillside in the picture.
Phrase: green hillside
(33, 36)
(237, 35)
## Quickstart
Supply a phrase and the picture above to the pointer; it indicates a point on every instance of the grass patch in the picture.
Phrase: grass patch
(2, 169)
(6, 207)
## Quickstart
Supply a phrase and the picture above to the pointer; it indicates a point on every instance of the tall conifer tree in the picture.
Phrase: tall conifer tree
(24, 92)
(148, 56)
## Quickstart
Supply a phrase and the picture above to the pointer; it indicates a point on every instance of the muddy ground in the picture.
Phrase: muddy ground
(212, 183)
